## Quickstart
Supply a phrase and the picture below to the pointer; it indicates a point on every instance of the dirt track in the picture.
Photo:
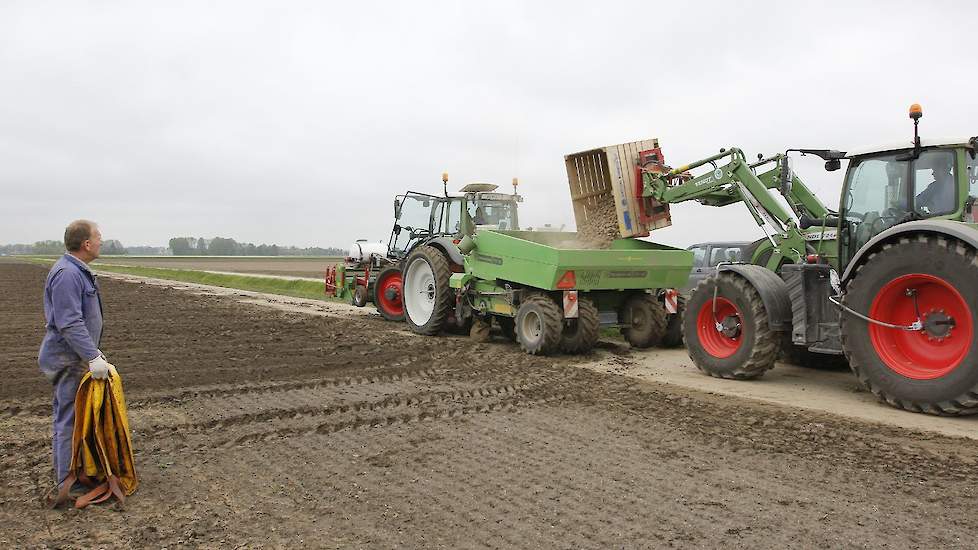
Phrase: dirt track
(267, 428)
(289, 266)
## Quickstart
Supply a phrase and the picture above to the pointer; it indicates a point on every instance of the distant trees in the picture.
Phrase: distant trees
(223, 246)
(178, 246)
(183, 246)
(113, 247)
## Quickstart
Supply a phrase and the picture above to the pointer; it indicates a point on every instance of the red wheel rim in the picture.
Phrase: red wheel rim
(715, 342)
(392, 305)
(920, 355)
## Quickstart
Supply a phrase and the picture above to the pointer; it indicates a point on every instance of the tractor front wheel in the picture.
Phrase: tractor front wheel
(726, 329)
(428, 299)
(933, 369)
(539, 323)
(389, 294)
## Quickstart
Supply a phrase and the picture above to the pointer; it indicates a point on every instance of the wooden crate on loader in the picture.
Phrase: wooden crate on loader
(606, 187)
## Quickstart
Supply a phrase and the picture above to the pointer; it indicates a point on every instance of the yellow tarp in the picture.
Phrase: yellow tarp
(101, 445)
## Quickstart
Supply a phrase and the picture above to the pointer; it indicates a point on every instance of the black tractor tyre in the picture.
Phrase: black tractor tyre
(539, 323)
(479, 331)
(949, 393)
(390, 307)
(758, 347)
(580, 335)
(673, 337)
(441, 295)
(360, 296)
(507, 325)
(645, 317)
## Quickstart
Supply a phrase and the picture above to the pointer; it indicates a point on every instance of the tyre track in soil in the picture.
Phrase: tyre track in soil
(265, 428)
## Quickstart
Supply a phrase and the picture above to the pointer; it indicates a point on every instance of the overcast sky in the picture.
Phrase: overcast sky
(296, 123)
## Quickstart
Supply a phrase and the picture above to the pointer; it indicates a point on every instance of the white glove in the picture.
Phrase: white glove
(99, 368)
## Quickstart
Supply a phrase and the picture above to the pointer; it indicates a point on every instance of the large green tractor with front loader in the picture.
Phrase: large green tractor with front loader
(889, 280)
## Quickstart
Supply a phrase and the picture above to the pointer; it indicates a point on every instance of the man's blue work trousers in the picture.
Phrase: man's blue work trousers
(65, 388)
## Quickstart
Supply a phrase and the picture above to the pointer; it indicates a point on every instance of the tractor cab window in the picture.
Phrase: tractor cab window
(413, 222)
(934, 184)
(875, 198)
(497, 214)
(722, 254)
(448, 217)
(699, 256)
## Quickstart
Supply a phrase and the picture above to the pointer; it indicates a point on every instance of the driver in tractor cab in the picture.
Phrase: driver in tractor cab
(939, 195)
(480, 216)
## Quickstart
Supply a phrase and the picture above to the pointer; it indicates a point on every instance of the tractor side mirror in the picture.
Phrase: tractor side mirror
(833, 165)
(397, 229)
(397, 209)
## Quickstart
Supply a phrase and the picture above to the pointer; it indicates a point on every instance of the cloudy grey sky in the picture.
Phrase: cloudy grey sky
(296, 123)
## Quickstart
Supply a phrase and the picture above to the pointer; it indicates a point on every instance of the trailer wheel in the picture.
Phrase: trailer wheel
(539, 323)
(507, 325)
(646, 320)
(428, 300)
(581, 334)
(743, 346)
(389, 294)
(933, 370)
(673, 337)
(360, 296)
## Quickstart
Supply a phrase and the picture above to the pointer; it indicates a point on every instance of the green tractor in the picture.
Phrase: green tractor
(435, 224)
(890, 280)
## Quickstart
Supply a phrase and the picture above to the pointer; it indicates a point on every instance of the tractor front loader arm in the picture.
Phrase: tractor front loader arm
(731, 183)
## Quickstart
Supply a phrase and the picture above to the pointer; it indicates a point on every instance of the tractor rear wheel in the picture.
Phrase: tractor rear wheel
(539, 323)
(933, 370)
(645, 318)
(729, 337)
(428, 299)
(581, 334)
(389, 294)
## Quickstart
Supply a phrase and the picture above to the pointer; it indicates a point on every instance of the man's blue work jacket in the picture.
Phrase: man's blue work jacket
(73, 314)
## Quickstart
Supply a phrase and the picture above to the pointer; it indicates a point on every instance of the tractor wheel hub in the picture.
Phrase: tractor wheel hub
(729, 326)
(938, 325)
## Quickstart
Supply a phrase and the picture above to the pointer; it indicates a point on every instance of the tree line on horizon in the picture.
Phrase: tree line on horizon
(220, 246)
(178, 246)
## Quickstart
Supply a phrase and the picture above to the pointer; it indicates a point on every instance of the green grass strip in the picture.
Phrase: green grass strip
(268, 285)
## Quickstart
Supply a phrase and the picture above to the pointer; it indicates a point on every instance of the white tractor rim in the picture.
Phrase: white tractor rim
(531, 327)
(419, 292)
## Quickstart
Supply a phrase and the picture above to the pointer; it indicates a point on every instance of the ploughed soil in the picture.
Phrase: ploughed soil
(263, 428)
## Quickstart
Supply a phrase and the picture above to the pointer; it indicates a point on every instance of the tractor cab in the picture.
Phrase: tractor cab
(488, 209)
(413, 221)
(420, 217)
(889, 185)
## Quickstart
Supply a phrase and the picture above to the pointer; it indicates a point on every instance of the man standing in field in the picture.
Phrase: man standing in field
(73, 314)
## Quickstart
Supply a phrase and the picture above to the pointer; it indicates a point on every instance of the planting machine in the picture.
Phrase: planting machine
(904, 239)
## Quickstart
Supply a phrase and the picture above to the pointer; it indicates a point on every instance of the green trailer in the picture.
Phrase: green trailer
(546, 290)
